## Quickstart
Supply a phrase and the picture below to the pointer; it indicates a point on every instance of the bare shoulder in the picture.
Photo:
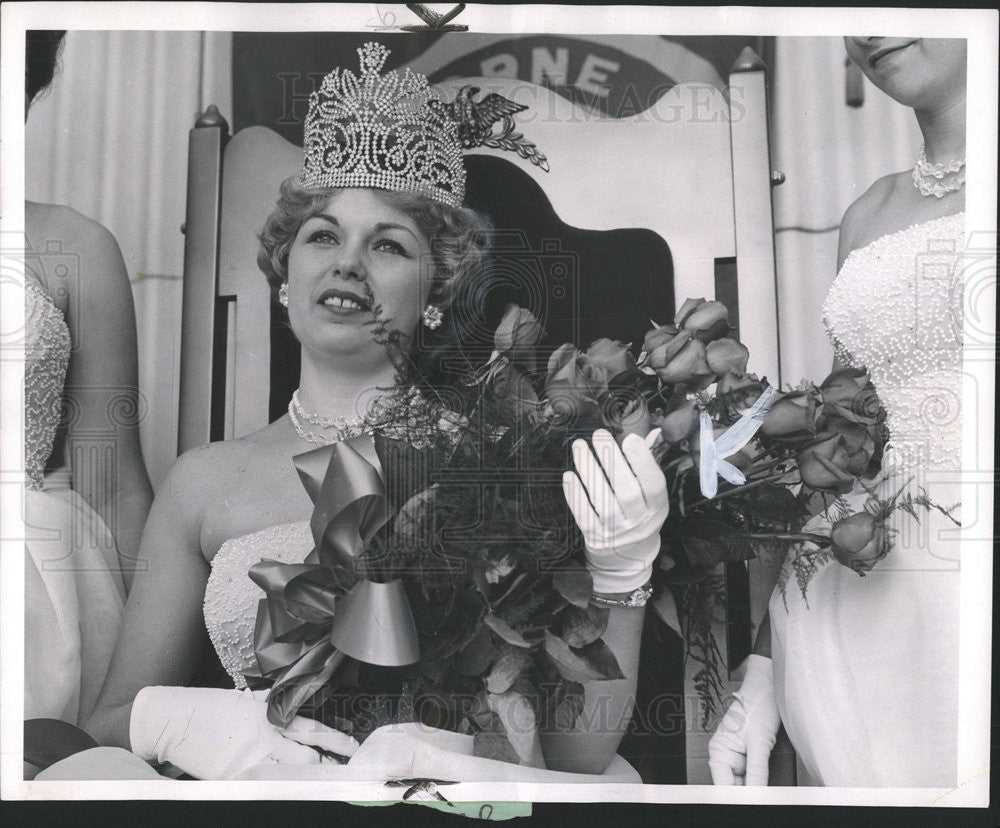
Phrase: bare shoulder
(212, 464)
(874, 199)
(200, 476)
(57, 223)
(211, 472)
(97, 272)
(865, 219)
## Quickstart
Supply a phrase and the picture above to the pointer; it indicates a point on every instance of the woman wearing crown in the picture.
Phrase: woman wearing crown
(367, 244)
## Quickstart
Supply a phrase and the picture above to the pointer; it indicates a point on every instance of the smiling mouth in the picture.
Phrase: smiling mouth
(344, 300)
(875, 58)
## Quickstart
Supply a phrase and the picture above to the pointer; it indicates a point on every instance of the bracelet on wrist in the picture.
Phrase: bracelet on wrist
(635, 598)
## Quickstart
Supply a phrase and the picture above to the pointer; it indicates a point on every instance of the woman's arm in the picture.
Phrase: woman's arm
(607, 706)
(163, 618)
(412, 751)
(618, 497)
(762, 646)
(102, 387)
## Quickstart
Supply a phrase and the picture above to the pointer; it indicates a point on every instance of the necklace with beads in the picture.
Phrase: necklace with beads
(343, 429)
(930, 179)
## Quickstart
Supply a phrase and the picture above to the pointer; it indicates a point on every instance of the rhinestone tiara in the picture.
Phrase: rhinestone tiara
(380, 131)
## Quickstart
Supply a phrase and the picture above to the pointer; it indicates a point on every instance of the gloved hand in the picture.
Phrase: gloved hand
(618, 497)
(211, 733)
(744, 739)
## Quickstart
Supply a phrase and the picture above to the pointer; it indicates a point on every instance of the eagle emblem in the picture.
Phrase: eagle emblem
(476, 121)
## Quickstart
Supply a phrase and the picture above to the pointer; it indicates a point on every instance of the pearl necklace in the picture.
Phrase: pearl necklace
(345, 428)
(928, 177)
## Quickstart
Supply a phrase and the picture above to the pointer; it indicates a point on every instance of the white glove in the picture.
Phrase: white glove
(618, 497)
(415, 751)
(745, 737)
(211, 733)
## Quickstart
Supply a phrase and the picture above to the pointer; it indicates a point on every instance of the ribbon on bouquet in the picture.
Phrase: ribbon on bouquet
(319, 612)
(740, 433)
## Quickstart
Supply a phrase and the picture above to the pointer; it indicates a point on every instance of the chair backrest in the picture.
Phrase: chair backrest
(694, 169)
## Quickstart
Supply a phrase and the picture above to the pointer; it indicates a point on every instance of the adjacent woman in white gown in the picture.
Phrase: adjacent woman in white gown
(864, 670)
(367, 244)
(84, 471)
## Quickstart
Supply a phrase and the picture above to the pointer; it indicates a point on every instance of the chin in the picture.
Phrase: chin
(916, 83)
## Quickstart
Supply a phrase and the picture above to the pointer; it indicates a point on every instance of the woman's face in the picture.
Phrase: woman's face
(357, 265)
(923, 73)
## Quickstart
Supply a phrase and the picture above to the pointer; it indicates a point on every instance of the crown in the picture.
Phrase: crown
(380, 131)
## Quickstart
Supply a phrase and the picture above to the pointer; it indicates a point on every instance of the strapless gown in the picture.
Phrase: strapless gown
(230, 609)
(866, 668)
(231, 598)
(74, 594)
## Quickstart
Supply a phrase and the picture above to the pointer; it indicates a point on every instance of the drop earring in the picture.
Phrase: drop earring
(283, 294)
(433, 316)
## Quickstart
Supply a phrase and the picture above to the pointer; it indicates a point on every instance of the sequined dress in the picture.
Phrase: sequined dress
(74, 594)
(231, 597)
(866, 668)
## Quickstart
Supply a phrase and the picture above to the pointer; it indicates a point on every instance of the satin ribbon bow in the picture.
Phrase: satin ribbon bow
(319, 612)
(712, 464)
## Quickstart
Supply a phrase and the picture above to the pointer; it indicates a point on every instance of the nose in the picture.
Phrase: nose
(350, 264)
(865, 41)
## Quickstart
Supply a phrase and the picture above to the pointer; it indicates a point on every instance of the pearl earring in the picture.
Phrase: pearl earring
(283, 294)
(433, 316)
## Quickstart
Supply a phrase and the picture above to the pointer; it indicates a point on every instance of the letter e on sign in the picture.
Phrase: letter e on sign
(594, 75)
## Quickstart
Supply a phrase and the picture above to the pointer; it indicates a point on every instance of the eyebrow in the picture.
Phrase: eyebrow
(382, 225)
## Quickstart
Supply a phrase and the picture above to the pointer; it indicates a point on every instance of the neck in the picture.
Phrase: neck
(336, 393)
(943, 129)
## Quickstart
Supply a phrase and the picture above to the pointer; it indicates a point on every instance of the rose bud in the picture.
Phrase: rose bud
(741, 390)
(857, 441)
(613, 356)
(517, 334)
(678, 424)
(683, 359)
(858, 542)
(664, 344)
(849, 393)
(574, 383)
(727, 356)
(658, 336)
(627, 415)
(823, 464)
(708, 320)
(792, 419)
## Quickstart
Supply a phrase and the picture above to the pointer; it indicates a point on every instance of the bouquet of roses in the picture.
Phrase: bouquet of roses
(480, 540)
(800, 468)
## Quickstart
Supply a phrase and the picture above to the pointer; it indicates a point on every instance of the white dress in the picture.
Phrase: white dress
(231, 598)
(74, 593)
(230, 609)
(866, 668)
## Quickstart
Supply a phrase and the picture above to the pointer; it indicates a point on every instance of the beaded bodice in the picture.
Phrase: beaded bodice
(895, 309)
(46, 360)
(231, 597)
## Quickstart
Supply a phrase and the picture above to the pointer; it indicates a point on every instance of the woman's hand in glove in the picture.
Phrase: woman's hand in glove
(739, 751)
(618, 497)
(212, 733)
